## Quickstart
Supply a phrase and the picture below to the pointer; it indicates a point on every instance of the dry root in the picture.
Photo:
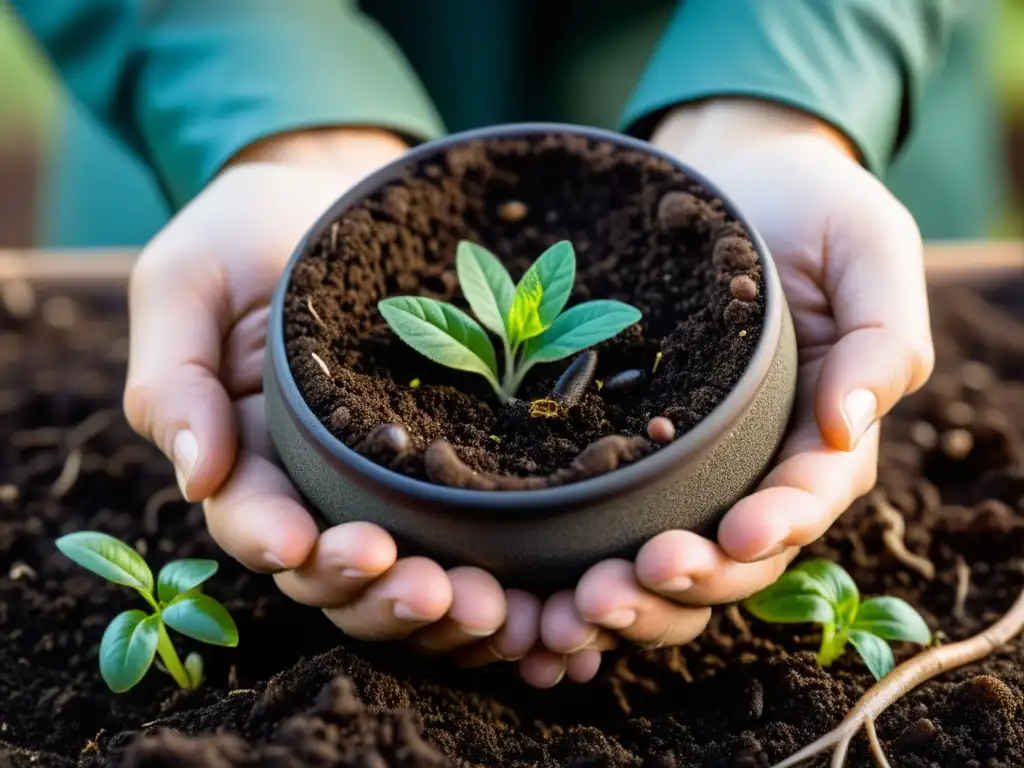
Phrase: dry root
(903, 679)
(443, 466)
(896, 527)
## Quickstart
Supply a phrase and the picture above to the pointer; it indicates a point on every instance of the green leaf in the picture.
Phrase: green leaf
(891, 618)
(542, 293)
(875, 651)
(181, 576)
(833, 643)
(837, 585)
(582, 326)
(127, 649)
(202, 618)
(486, 284)
(194, 668)
(108, 557)
(441, 332)
(794, 598)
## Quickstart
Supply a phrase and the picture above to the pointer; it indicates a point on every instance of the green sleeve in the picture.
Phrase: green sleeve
(188, 83)
(860, 65)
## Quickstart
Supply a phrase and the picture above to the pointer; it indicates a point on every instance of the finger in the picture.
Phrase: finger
(415, 592)
(874, 280)
(583, 666)
(563, 630)
(343, 561)
(258, 518)
(800, 498)
(542, 668)
(609, 596)
(478, 610)
(686, 568)
(515, 638)
(178, 316)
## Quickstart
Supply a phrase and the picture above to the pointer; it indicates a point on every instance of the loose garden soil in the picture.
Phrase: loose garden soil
(297, 693)
(644, 233)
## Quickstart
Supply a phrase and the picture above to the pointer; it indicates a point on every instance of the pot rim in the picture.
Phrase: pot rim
(686, 449)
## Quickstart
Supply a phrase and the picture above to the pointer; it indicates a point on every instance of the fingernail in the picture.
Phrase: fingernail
(185, 453)
(773, 551)
(860, 409)
(403, 612)
(354, 573)
(678, 584)
(619, 619)
(274, 561)
(558, 679)
(478, 631)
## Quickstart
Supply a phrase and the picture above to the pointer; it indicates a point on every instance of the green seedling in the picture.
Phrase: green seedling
(527, 317)
(133, 639)
(821, 592)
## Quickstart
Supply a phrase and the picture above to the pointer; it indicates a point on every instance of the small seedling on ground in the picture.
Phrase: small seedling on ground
(527, 317)
(134, 638)
(821, 592)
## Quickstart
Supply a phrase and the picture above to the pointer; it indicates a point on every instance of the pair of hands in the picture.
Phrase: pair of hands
(850, 259)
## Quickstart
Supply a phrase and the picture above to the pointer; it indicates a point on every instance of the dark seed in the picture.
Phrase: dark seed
(577, 377)
(624, 380)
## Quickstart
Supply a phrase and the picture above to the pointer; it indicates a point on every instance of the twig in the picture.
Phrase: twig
(963, 587)
(892, 537)
(68, 474)
(908, 676)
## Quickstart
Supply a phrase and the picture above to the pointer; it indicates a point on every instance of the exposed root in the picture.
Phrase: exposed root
(905, 678)
(319, 361)
(963, 587)
(85, 431)
(309, 306)
(443, 466)
(159, 500)
(68, 474)
(896, 527)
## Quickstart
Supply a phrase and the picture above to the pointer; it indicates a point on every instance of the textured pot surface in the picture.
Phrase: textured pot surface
(544, 539)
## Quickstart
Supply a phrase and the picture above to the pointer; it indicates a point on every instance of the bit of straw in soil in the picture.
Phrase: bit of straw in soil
(905, 678)
(892, 537)
(321, 363)
(963, 587)
(309, 306)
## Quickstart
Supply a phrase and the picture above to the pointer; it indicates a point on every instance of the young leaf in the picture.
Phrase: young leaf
(833, 643)
(794, 598)
(441, 332)
(202, 618)
(524, 317)
(582, 326)
(836, 585)
(127, 649)
(194, 669)
(543, 291)
(891, 618)
(486, 284)
(875, 651)
(108, 557)
(181, 576)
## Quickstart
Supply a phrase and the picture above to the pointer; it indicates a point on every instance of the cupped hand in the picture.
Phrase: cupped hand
(199, 301)
(850, 259)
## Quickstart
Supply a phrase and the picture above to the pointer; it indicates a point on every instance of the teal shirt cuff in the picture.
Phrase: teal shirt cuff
(218, 76)
(859, 65)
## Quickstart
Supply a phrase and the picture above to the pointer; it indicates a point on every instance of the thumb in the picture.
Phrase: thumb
(875, 284)
(178, 317)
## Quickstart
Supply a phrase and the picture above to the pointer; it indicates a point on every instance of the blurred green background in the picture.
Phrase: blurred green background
(34, 116)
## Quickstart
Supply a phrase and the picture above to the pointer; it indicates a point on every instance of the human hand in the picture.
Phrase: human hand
(850, 259)
(199, 302)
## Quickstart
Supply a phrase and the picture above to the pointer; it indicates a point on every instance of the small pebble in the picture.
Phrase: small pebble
(959, 414)
(340, 418)
(19, 297)
(743, 288)
(513, 211)
(976, 376)
(661, 430)
(734, 253)
(59, 312)
(624, 380)
(8, 493)
(924, 435)
(391, 437)
(957, 443)
(680, 210)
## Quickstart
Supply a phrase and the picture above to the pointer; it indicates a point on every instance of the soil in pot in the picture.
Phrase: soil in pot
(644, 233)
(295, 693)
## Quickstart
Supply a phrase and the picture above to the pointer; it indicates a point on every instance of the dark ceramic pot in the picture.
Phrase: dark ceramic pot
(544, 539)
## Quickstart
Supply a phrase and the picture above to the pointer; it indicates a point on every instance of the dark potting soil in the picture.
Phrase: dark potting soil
(643, 232)
(297, 694)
